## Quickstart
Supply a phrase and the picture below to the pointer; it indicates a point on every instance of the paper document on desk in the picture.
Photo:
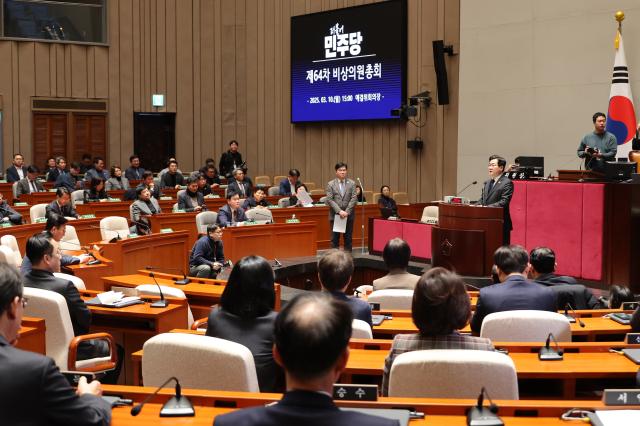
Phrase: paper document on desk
(340, 224)
(616, 417)
(114, 299)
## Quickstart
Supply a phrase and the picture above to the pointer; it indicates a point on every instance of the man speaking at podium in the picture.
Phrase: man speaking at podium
(497, 192)
(598, 146)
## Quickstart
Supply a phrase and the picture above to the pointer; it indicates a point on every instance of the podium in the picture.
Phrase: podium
(466, 238)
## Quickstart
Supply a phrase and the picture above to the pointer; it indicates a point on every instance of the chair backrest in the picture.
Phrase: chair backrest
(205, 218)
(11, 242)
(430, 215)
(70, 241)
(310, 185)
(375, 198)
(52, 307)
(152, 290)
(199, 362)
(361, 330)
(77, 281)
(14, 189)
(368, 196)
(317, 192)
(37, 211)
(453, 373)
(401, 197)
(259, 214)
(278, 179)
(273, 191)
(392, 298)
(525, 326)
(112, 226)
(262, 180)
(77, 195)
(6, 255)
(284, 202)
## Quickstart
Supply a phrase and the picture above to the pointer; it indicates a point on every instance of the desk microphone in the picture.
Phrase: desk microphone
(177, 406)
(183, 281)
(276, 262)
(547, 353)
(575, 315)
(483, 416)
(162, 303)
(466, 187)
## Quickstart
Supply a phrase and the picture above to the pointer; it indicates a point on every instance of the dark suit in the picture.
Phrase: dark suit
(257, 335)
(33, 392)
(337, 200)
(225, 217)
(24, 187)
(171, 180)
(568, 290)
(133, 173)
(68, 181)
(285, 187)
(228, 162)
(7, 212)
(635, 321)
(186, 203)
(235, 187)
(12, 174)
(361, 309)
(499, 195)
(67, 210)
(53, 174)
(516, 293)
(297, 408)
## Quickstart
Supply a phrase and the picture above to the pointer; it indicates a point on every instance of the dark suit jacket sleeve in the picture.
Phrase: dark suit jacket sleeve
(14, 216)
(80, 314)
(635, 321)
(505, 195)
(223, 217)
(476, 321)
(184, 203)
(62, 404)
(283, 187)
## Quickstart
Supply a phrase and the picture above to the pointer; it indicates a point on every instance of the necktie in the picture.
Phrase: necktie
(33, 187)
(342, 188)
(242, 189)
(491, 185)
(233, 216)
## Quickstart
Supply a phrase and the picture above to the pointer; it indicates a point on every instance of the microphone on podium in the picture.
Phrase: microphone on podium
(466, 187)
(185, 280)
(162, 303)
(177, 406)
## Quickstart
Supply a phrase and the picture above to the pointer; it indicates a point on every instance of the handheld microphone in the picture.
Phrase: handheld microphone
(466, 187)
(177, 406)
(483, 416)
(575, 315)
(547, 353)
(185, 280)
(162, 303)
(276, 262)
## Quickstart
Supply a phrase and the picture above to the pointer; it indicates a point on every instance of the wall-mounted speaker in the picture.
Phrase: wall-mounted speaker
(439, 49)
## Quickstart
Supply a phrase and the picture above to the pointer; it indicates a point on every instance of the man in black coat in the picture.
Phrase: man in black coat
(32, 390)
(230, 160)
(514, 292)
(62, 204)
(313, 350)
(497, 192)
(17, 170)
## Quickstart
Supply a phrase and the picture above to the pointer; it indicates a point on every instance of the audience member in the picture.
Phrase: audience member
(246, 316)
(212, 177)
(386, 204)
(514, 292)
(60, 167)
(144, 207)
(232, 213)
(203, 187)
(32, 389)
(256, 200)
(440, 308)
(162, 172)
(134, 171)
(335, 269)
(288, 185)
(49, 167)
(86, 163)
(567, 290)
(62, 205)
(30, 183)
(172, 178)
(230, 160)
(70, 180)
(360, 194)
(396, 255)
(207, 255)
(117, 181)
(96, 191)
(8, 214)
(240, 185)
(55, 228)
(97, 171)
(341, 199)
(296, 200)
(311, 337)
(618, 294)
(148, 182)
(191, 200)
(17, 170)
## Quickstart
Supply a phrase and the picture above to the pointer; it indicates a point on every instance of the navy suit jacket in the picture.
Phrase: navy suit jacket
(12, 174)
(224, 215)
(285, 187)
(33, 392)
(67, 210)
(361, 309)
(298, 407)
(235, 188)
(516, 293)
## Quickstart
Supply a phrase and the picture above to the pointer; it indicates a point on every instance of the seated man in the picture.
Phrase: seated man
(17, 170)
(335, 269)
(32, 390)
(147, 182)
(396, 255)
(207, 255)
(55, 228)
(144, 207)
(8, 214)
(191, 200)
(288, 186)
(514, 292)
(172, 178)
(70, 180)
(98, 171)
(311, 336)
(543, 266)
(203, 187)
(62, 204)
(240, 185)
(232, 213)
(60, 168)
(257, 200)
(30, 182)
(134, 171)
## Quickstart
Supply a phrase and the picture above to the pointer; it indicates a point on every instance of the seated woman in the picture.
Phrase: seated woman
(96, 191)
(144, 207)
(387, 204)
(246, 316)
(117, 181)
(191, 200)
(440, 308)
(360, 194)
(257, 200)
(294, 201)
(618, 294)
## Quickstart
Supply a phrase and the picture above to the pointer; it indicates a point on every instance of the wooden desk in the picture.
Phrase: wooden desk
(34, 198)
(32, 335)
(87, 230)
(271, 241)
(6, 189)
(177, 222)
(104, 209)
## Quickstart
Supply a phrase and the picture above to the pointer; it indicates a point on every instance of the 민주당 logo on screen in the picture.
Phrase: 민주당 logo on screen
(339, 42)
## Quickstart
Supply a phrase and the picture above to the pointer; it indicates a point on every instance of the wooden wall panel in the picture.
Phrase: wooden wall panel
(223, 66)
